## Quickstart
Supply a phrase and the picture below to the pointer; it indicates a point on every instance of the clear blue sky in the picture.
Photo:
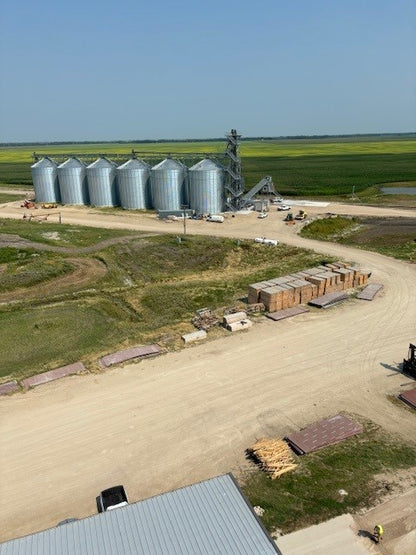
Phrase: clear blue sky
(134, 69)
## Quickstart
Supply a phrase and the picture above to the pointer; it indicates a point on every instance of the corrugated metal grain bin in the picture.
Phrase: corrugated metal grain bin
(206, 187)
(168, 185)
(133, 181)
(45, 181)
(102, 183)
(72, 176)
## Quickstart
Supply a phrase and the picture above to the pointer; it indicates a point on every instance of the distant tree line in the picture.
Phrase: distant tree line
(410, 134)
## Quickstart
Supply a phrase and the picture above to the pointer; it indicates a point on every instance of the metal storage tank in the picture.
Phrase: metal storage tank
(72, 177)
(206, 187)
(102, 183)
(133, 182)
(45, 180)
(168, 185)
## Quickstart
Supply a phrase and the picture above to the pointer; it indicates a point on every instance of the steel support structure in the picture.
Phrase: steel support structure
(234, 185)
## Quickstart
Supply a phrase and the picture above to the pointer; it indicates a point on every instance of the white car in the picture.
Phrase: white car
(283, 207)
(262, 215)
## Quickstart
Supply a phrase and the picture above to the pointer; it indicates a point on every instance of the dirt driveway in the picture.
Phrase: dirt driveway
(186, 416)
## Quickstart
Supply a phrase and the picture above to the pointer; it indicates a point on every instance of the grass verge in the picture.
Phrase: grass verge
(61, 235)
(395, 237)
(310, 494)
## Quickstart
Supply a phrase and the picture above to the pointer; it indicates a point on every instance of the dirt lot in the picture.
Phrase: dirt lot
(186, 416)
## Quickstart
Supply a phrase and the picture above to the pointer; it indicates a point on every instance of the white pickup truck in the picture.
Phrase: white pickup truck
(215, 218)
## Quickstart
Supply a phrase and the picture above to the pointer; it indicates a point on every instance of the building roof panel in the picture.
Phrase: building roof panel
(210, 517)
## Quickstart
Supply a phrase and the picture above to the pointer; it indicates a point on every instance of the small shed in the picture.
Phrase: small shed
(261, 205)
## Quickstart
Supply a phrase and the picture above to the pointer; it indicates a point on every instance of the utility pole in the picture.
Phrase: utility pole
(184, 207)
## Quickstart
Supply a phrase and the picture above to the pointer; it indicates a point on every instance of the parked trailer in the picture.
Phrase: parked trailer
(266, 241)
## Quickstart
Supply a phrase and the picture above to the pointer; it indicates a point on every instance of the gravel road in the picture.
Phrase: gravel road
(187, 416)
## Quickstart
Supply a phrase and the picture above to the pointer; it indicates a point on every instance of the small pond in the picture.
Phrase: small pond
(399, 190)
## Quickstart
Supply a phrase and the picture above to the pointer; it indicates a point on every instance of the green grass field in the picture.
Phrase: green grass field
(395, 237)
(313, 167)
(40, 338)
(149, 292)
(309, 494)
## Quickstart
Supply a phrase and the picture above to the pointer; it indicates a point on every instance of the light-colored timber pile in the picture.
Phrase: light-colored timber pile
(274, 456)
(236, 321)
(301, 287)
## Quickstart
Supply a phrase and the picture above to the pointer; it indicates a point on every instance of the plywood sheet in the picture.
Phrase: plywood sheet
(127, 354)
(288, 313)
(409, 397)
(370, 291)
(53, 374)
(328, 300)
(323, 433)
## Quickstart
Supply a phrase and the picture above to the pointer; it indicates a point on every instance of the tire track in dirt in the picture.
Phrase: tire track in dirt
(15, 241)
(86, 271)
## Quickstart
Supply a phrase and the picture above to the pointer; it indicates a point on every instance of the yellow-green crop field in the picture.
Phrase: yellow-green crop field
(255, 148)
(310, 166)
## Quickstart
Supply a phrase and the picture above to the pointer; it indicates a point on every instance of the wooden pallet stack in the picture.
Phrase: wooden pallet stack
(274, 456)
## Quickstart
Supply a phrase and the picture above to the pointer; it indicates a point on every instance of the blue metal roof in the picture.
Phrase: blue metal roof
(208, 518)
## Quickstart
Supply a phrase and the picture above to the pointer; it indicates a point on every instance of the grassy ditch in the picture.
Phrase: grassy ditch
(310, 494)
(394, 237)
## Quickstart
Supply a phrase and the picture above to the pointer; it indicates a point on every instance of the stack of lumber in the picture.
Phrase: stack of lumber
(301, 287)
(234, 317)
(205, 319)
(274, 456)
(236, 321)
(194, 336)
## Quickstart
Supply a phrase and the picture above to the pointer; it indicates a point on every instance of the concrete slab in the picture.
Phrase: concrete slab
(398, 517)
(334, 537)
(306, 203)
